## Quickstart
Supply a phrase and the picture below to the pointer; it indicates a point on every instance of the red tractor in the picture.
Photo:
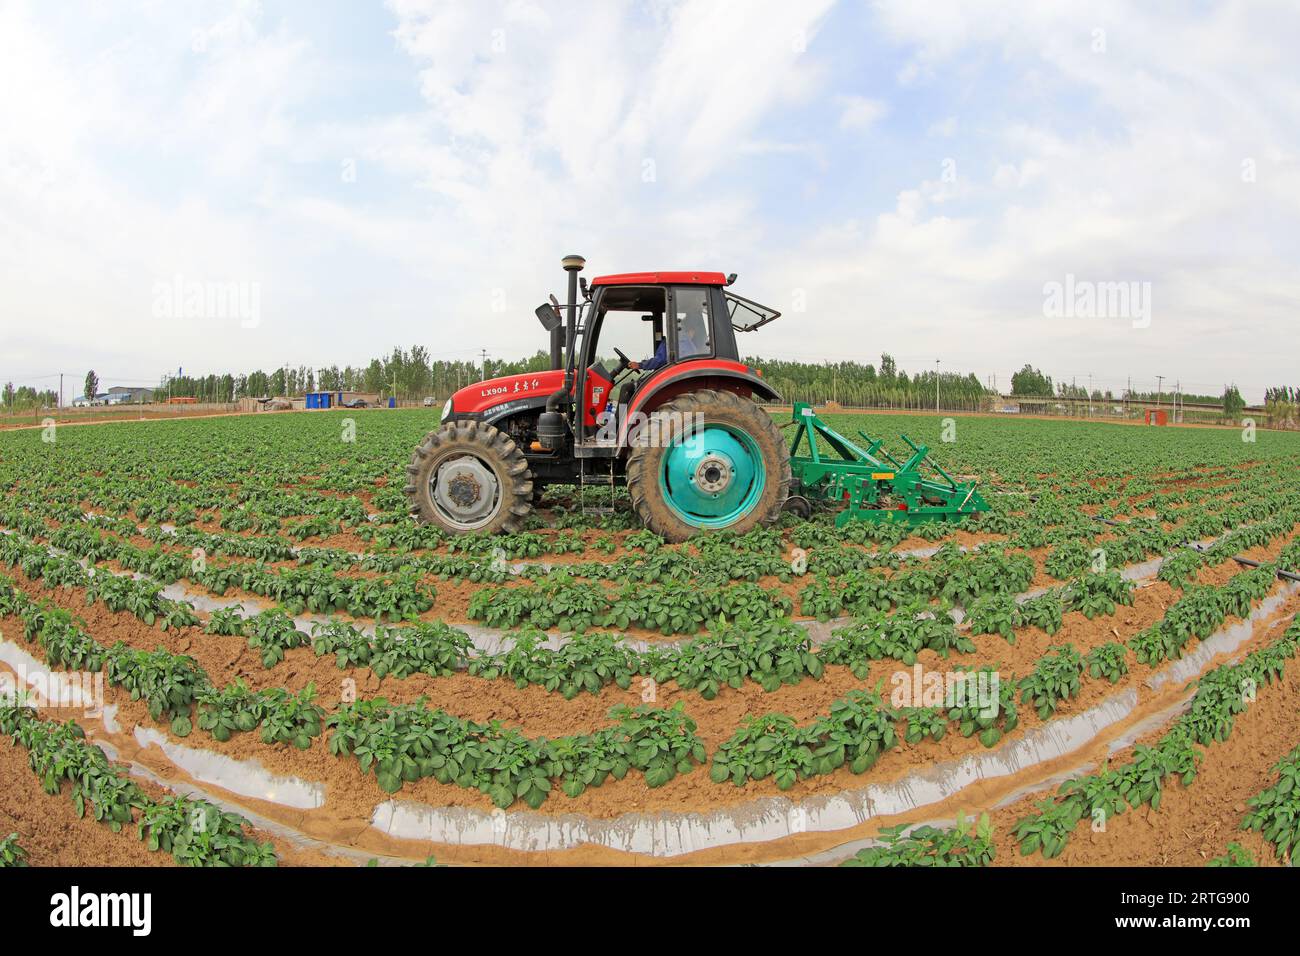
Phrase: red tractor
(680, 428)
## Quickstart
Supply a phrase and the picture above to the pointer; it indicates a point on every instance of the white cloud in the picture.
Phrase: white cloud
(860, 112)
(1122, 165)
(207, 140)
(945, 127)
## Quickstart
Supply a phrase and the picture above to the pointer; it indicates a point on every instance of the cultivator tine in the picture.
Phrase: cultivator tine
(873, 448)
(873, 445)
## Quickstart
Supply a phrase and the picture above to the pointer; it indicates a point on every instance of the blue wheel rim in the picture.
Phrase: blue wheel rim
(713, 477)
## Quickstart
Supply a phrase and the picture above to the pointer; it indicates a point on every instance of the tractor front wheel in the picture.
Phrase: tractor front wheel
(706, 461)
(469, 476)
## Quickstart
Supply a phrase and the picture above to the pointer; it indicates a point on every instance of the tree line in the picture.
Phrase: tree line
(1282, 406)
(857, 384)
(25, 398)
(413, 374)
(1029, 382)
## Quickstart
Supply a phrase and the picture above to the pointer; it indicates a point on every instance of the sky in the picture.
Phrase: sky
(1104, 189)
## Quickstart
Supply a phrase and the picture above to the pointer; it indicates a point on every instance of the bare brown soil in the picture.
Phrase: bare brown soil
(1196, 822)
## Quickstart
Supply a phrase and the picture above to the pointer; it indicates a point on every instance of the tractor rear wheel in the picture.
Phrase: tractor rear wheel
(469, 476)
(706, 461)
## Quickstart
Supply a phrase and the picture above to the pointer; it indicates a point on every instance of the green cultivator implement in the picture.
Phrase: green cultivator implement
(870, 482)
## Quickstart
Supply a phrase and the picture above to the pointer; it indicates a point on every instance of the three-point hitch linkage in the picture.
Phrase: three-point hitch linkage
(870, 482)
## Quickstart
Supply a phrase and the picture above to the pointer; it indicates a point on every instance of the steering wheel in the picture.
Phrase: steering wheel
(623, 362)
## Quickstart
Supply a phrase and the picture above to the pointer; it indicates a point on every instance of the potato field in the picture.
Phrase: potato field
(235, 621)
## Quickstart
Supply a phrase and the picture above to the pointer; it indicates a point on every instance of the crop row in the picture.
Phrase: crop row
(1199, 613)
(194, 832)
(298, 589)
(1221, 694)
(404, 743)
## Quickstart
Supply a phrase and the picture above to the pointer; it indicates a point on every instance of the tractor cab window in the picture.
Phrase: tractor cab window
(631, 320)
(692, 321)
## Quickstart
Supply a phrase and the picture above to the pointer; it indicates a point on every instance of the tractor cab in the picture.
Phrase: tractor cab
(635, 330)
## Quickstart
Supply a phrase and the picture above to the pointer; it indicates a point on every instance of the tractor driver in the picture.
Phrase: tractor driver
(690, 332)
(656, 361)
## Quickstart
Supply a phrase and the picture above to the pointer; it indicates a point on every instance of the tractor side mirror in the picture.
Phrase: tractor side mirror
(549, 316)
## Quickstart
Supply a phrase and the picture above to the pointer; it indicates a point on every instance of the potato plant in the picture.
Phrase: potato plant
(1107, 660)
(271, 633)
(1275, 811)
(1054, 678)
(1097, 593)
(989, 719)
(1234, 855)
(12, 853)
(966, 844)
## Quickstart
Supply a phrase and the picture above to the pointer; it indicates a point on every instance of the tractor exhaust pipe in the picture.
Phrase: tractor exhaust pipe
(551, 426)
(572, 265)
(561, 335)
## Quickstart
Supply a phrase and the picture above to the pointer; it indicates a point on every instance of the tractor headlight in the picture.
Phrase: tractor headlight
(446, 410)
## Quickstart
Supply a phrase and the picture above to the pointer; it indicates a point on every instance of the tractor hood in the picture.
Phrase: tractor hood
(494, 393)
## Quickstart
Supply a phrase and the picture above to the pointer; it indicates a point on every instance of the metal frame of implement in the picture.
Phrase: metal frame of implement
(874, 489)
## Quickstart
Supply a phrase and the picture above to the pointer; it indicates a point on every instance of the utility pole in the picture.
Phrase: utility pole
(483, 352)
(1090, 395)
(60, 390)
(1160, 390)
(936, 386)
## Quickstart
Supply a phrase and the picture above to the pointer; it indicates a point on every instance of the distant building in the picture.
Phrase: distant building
(124, 393)
(117, 395)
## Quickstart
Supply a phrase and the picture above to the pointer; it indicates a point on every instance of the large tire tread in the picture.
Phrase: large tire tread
(492, 446)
